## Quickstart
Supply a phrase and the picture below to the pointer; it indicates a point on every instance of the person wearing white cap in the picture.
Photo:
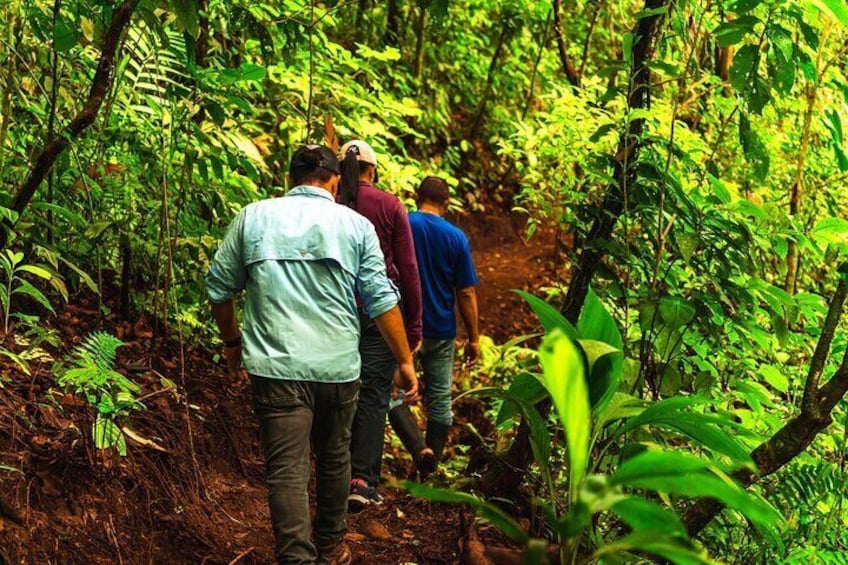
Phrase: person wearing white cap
(389, 217)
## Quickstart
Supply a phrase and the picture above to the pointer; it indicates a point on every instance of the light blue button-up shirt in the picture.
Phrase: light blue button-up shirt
(303, 260)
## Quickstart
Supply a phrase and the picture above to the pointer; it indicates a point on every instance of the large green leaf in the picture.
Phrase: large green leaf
(26, 288)
(684, 475)
(662, 410)
(837, 8)
(705, 429)
(36, 270)
(605, 362)
(675, 548)
(641, 514)
(565, 380)
(652, 464)
(754, 149)
(622, 406)
(107, 434)
(549, 317)
(526, 387)
(774, 377)
(710, 436)
(831, 230)
(597, 323)
(676, 312)
(734, 31)
(245, 73)
(65, 35)
(490, 512)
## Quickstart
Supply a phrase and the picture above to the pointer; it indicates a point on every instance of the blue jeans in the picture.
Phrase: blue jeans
(436, 357)
(369, 423)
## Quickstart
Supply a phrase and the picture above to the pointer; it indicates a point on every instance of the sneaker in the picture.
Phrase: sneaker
(362, 495)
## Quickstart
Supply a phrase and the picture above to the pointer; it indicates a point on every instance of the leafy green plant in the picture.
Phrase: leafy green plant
(581, 376)
(14, 283)
(109, 392)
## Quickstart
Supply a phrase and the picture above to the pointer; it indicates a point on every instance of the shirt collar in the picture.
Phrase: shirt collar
(311, 191)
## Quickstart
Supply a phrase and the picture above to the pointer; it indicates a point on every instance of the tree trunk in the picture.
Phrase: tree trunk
(59, 143)
(797, 190)
(724, 58)
(584, 58)
(201, 50)
(420, 35)
(124, 306)
(391, 37)
(571, 71)
(503, 476)
(360, 33)
(15, 37)
(647, 32)
(51, 120)
(490, 80)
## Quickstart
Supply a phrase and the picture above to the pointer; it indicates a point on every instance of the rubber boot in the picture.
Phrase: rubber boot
(437, 437)
(406, 428)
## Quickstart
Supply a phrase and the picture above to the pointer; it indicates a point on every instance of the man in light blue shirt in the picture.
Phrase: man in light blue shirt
(303, 261)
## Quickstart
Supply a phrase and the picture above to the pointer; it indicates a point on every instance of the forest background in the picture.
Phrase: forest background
(679, 166)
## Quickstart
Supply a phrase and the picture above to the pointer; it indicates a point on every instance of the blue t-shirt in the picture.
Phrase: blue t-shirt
(444, 265)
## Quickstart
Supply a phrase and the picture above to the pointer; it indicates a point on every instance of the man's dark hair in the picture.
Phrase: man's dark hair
(313, 163)
(434, 190)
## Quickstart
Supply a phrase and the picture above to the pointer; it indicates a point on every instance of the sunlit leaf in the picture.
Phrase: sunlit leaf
(549, 317)
(565, 380)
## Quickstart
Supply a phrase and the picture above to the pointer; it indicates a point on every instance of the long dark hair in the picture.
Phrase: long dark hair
(352, 170)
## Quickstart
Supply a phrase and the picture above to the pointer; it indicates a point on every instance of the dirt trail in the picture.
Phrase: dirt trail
(505, 263)
(80, 508)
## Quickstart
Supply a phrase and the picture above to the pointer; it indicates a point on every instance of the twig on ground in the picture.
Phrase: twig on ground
(242, 555)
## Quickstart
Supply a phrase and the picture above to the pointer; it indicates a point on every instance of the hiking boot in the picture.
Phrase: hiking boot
(406, 428)
(437, 437)
(426, 462)
(339, 554)
(362, 495)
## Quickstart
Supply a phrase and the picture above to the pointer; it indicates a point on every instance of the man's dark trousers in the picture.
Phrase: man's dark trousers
(369, 424)
(293, 414)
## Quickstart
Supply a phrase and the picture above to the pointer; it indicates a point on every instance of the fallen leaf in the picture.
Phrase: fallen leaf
(377, 531)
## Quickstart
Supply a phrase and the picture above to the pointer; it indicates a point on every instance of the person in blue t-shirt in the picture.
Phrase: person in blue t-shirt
(448, 279)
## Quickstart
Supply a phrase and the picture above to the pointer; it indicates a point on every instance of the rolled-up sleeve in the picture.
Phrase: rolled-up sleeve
(227, 275)
(373, 286)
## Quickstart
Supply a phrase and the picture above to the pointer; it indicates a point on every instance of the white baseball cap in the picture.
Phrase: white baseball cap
(364, 152)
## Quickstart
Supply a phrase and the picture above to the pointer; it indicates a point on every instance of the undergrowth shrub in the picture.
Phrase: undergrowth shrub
(109, 392)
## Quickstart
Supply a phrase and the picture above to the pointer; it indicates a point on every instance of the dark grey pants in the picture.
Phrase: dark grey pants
(292, 415)
(369, 424)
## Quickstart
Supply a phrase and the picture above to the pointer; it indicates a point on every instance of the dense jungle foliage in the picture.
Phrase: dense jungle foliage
(688, 157)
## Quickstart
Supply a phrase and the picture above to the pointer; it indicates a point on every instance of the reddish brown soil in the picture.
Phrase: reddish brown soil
(505, 262)
(202, 499)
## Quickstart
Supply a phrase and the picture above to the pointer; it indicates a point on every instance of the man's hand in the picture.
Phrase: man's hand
(233, 358)
(406, 380)
(472, 353)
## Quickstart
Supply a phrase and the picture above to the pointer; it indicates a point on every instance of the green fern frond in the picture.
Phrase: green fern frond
(808, 555)
(803, 486)
(100, 349)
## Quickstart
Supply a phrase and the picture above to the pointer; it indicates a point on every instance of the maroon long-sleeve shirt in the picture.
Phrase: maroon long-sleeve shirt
(392, 224)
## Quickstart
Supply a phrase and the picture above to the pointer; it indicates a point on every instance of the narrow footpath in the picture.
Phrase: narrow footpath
(191, 489)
